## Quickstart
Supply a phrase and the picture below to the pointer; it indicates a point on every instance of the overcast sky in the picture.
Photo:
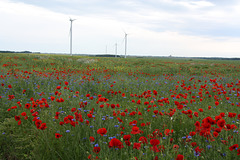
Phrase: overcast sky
(209, 28)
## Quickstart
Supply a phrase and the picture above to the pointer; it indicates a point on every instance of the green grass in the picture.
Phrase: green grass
(40, 75)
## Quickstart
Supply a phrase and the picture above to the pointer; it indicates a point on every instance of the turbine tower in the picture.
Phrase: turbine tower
(125, 44)
(71, 20)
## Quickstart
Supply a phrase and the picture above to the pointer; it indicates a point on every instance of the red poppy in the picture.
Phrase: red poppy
(57, 135)
(175, 146)
(23, 114)
(27, 105)
(193, 144)
(66, 83)
(43, 126)
(89, 115)
(102, 131)
(221, 123)
(73, 109)
(17, 118)
(180, 157)
(192, 133)
(127, 137)
(215, 134)
(197, 124)
(135, 130)
(143, 140)
(9, 86)
(96, 150)
(233, 147)
(115, 143)
(137, 146)
(154, 142)
(238, 152)
(92, 139)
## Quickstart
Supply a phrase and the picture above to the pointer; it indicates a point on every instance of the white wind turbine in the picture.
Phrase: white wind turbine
(125, 39)
(71, 20)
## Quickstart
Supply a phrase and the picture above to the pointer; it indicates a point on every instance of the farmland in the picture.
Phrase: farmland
(62, 107)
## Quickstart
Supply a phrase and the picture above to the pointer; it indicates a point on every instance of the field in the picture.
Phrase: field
(62, 107)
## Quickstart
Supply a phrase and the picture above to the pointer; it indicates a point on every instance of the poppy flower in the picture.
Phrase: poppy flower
(128, 143)
(17, 118)
(115, 143)
(92, 139)
(102, 131)
(180, 157)
(66, 83)
(193, 144)
(221, 123)
(143, 140)
(238, 152)
(175, 146)
(135, 130)
(73, 109)
(89, 115)
(57, 135)
(27, 105)
(96, 150)
(127, 137)
(154, 142)
(215, 134)
(23, 114)
(233, 147)
(43, 126)
(137, 146)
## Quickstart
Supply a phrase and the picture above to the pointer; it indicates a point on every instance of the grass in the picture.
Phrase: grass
(170, 92)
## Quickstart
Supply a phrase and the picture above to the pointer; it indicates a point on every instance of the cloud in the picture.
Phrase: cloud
(152, 31)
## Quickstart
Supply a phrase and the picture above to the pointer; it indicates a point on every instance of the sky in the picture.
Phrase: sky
(183, 28)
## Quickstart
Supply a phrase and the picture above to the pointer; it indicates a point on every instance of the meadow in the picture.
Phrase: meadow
(62, 107)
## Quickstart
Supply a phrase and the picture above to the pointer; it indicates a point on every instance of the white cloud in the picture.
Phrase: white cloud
(28, 27)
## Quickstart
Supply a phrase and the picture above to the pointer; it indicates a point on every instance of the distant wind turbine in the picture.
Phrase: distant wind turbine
(125, 44)
(71, 20)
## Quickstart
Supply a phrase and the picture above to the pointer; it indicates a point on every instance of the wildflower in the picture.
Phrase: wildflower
(175, 146)
(127, 137)
(137, 146)
(238, 151)
(102, 131)
(96, 150)
(143, 140)
(23, 114)
(57, 135)
(135, 130)
(179, 157)
(115, 143)
(92, 139)
(154, 142)
(233, 147)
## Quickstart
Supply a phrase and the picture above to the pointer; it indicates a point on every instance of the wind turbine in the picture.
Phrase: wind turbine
(125, 43)
(71, 20)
